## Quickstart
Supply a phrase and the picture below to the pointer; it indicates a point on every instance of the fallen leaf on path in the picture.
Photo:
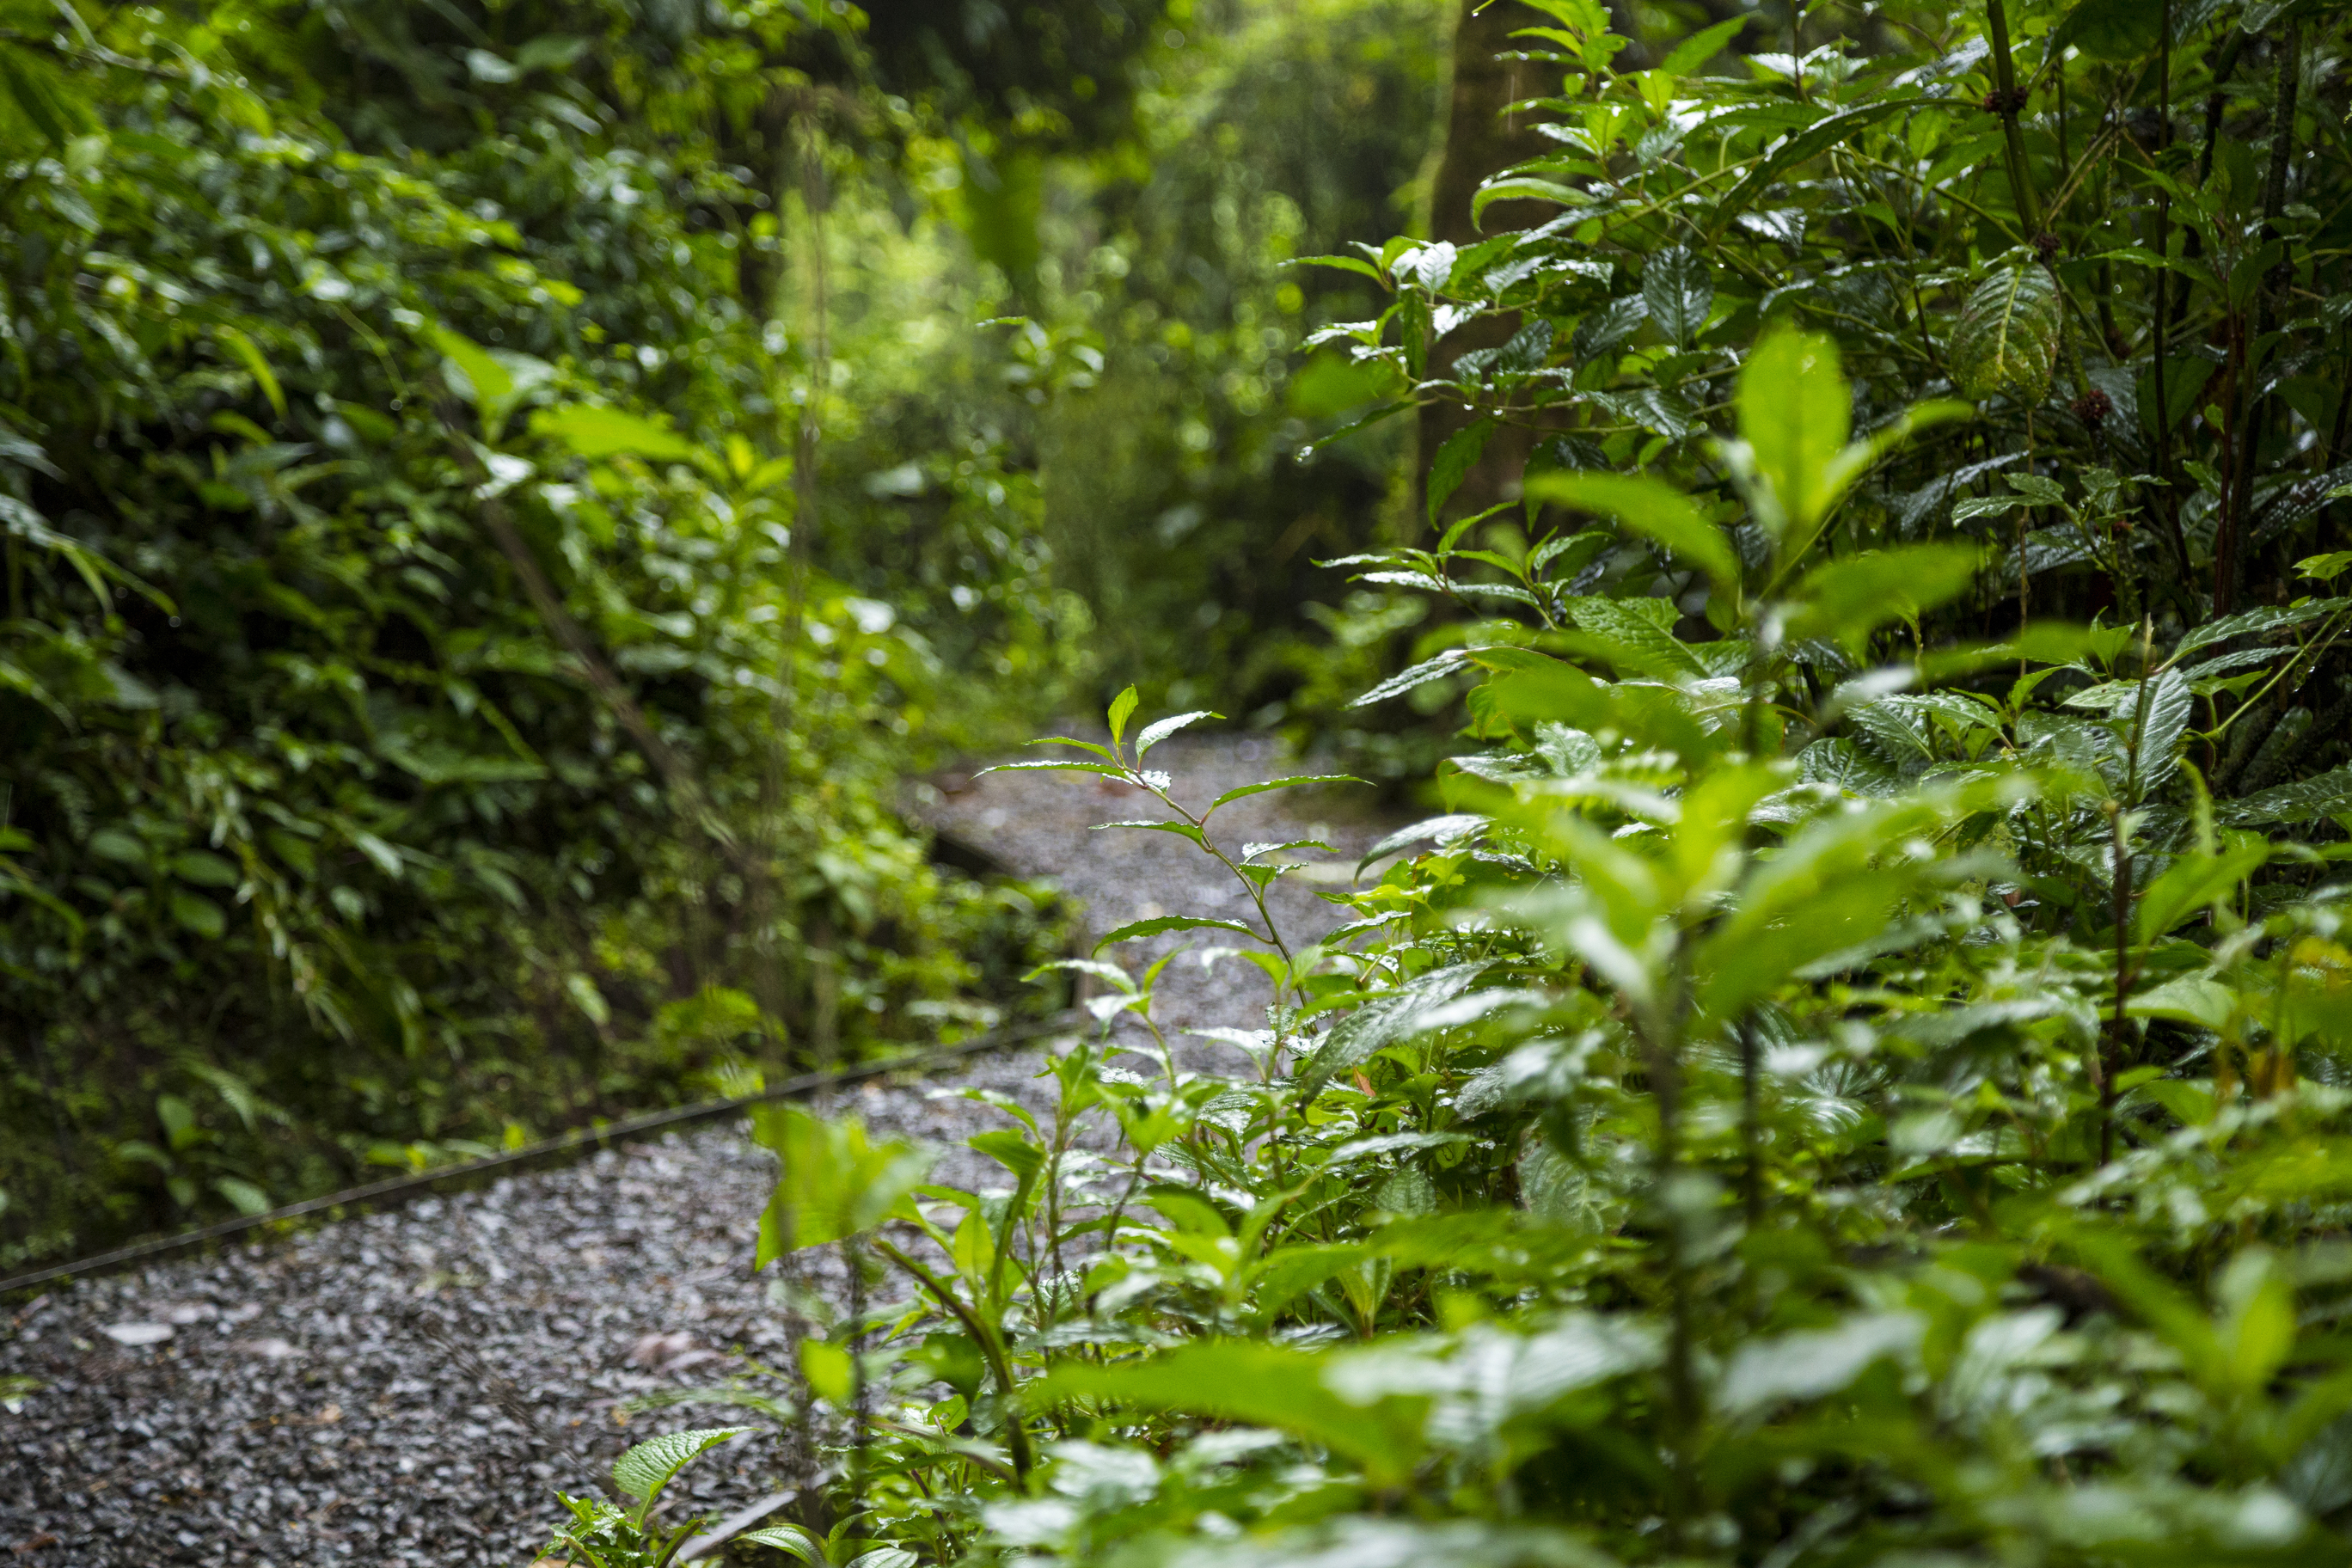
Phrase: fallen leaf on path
(137, 1333)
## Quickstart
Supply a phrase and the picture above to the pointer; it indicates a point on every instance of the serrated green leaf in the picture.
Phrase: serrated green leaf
(1160, 729)
(2256, 622)
(1450, 662)
(1057, 765)
(789, 1539)
(1809, 142)
(1159, 923)
(1632, 641)
(1181, 829)
(645, 1469)
(2305, 800)
(1679, 288)
(1454, 462)
(1297, 782)
(1388, 1019)
(2161, 717)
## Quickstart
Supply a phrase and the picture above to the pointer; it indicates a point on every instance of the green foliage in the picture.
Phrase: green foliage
(409, 683)
(1838, 1082)
(607, 1536)
(834, 1184)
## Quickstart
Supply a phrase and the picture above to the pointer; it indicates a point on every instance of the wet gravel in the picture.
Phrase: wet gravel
(1046, 820)
(413, 1387)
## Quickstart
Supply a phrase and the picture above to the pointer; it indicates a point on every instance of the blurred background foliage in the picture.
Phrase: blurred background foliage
(324, 848)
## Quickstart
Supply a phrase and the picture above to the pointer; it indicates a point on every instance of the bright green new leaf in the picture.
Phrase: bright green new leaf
(598, 432)
(481, 380)
(645, 1469)
(1122, 707)
(2196, 882)
(1795, 414)
(833, 1184)
(1652, 509)
(1847, 599)
(1259, 1385)
(828, 1367)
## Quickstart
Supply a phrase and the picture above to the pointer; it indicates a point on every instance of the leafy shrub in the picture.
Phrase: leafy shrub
(379, 767)
(1853, 1073)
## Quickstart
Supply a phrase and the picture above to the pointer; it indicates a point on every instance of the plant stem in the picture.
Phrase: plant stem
(1751, 1126)
(2170, 509)
(2229, 544)
(990, 1346)
(2020, 178)
(1665, 1066)
(2120, 908)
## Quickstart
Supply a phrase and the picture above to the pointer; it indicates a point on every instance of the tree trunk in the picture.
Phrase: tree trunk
(1481, 138)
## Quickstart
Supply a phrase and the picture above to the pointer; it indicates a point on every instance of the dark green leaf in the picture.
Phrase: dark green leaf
(1454, 462)
(2007, 337)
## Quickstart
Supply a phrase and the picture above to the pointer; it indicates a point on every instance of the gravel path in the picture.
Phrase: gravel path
(412, 1388)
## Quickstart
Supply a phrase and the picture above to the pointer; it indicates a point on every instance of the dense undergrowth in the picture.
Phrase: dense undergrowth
(1855, 1074)
(424, 723)
(331, 843)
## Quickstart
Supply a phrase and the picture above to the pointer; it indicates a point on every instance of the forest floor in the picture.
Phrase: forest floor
(413, 1387)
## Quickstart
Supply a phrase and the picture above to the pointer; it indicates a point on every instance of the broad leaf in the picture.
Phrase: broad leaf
(2158, 723)
(1454, 462)
(1261, 1385)
(2305, 800)
(1815, 1362)
(1122, 707)
(834, 1183)
(644, 1470)
(1849, 598)
(2194, 882)
(1389, 1019)
(597, 432)
(1795, 414)
(1649, 507)
(2007, 338)
(1679, 289)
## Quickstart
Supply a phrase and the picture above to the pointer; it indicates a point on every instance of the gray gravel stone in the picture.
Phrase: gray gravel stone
(413, 1387)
